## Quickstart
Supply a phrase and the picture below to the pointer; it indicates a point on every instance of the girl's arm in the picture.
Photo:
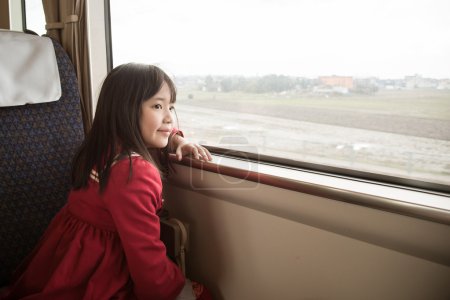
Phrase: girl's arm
(181, 147)
(133, 202)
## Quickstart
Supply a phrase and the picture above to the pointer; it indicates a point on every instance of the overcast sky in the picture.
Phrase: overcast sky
(384, 38)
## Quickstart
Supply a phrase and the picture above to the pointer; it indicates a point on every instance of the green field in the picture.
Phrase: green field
(402, 133)
(417, 103)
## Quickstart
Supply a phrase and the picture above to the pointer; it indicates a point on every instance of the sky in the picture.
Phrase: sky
(307, 38)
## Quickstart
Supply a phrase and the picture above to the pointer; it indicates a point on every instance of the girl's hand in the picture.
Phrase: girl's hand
(184, 148)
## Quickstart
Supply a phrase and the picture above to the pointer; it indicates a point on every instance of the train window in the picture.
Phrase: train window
(357, 86)
(34, 16)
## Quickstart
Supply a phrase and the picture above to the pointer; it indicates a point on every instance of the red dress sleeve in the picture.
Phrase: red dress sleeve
(133, 203)
(177, 131)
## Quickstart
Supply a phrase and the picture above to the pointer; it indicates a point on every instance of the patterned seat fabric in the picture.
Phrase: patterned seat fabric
(37, 143)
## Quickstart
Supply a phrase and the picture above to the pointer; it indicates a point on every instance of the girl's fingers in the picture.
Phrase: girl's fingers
(196, 151)
(208, 154)
(205, 154)
(179, 154)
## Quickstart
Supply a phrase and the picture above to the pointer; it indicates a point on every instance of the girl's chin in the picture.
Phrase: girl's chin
(158, 144)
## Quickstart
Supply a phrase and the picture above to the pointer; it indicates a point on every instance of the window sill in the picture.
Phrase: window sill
(414, 203)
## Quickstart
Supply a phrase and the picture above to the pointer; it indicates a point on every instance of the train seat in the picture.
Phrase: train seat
(37, 142)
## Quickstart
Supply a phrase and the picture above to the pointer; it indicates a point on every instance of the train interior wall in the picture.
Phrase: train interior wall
(269, 243)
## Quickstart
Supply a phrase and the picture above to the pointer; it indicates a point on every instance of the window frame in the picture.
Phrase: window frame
(390, 198)
(399, 182)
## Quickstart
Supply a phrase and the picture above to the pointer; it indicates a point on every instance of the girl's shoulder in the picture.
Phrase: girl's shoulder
(138, 165)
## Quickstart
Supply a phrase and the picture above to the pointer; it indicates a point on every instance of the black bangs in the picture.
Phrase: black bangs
(173, 90)
(159, 77)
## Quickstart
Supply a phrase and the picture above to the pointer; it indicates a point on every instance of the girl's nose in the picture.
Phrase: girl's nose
(168, 117)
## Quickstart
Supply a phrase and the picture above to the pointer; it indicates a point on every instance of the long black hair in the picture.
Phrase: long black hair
(115, 131)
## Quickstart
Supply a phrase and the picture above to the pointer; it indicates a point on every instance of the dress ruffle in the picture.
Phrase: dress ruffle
(104, 245)
(75, 257)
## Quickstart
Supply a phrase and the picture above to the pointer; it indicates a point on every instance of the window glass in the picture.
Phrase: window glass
(360, 85)
(35, 18)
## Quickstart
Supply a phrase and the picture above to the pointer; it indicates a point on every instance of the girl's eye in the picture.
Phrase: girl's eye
(172, 108)
(157, 106)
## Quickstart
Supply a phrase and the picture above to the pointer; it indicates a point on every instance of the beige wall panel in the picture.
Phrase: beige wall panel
(244, 251)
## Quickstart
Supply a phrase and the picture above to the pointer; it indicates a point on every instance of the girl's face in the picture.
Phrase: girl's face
(156, 118)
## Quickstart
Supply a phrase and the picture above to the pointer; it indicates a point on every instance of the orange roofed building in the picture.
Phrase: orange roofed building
(340, 81)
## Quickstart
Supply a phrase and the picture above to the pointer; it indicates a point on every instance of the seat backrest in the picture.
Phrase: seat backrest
(37, 143)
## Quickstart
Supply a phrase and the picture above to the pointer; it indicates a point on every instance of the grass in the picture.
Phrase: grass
(409, 114)
(421, 103)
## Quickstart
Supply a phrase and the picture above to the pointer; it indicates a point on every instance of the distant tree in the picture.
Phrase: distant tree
(226, 84)
(265, 84)
(210, 84)
(274, 83)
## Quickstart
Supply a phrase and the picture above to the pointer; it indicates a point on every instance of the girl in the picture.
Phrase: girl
(104, 243)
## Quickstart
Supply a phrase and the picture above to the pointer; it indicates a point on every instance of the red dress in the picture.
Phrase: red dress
(104, 246)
